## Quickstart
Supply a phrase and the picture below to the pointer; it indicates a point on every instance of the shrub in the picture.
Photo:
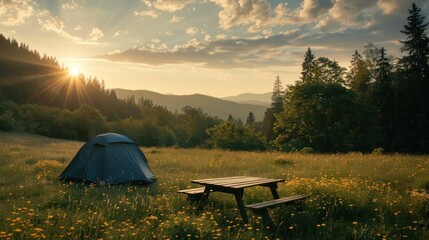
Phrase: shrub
(307, 150)
(378, 151)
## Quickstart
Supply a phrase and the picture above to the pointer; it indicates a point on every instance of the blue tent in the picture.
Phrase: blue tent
(109, 158)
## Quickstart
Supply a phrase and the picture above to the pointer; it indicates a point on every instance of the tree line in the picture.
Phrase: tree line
(381, 102)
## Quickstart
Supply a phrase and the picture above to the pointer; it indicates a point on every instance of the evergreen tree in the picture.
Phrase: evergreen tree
(231, 118)
(113, 94)
(276, 107)
(358, 77)
(416, 44)
(371, 55)
(382, 96)
(326, 117)
(328, 71)
(308, 67)
(412, 120)
(277, 97)
(250, 119)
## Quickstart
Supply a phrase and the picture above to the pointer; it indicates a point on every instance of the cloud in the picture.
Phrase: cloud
(398, 6)
(192, 31)
(221, 36)
(207, 37)
(147, 2)
(226, 54)
(327, 24)
(176, 19)
(15, 12)
(149, 13)
(95, 34)
(353, 12)
(255, 14)
(312, 9)
(69, 5)
(53, 23)
(78, 28)
(171, 5)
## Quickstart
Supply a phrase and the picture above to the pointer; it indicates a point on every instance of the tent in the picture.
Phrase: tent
(109, 159)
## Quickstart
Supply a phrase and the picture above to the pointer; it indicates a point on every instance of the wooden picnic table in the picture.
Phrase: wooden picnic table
(236, 186)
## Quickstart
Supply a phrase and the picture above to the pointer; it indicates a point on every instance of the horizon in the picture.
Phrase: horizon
(215, 48)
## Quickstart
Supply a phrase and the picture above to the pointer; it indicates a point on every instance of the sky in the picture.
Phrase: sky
(214, 47)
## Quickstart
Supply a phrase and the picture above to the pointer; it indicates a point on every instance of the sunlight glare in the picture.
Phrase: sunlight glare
(74, 71)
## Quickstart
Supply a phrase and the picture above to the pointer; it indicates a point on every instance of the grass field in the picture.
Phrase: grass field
(353, 196)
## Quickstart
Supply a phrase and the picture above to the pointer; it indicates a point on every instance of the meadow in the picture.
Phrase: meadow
(353, 196)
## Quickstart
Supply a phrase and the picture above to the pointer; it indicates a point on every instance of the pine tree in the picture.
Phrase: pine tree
(276, 107)
(308, 73)
(277, 97)
(359, 77)
(371, 54)
(412, 120)
(417, 44)
(231, 118)
(382, 97)
(250, 119)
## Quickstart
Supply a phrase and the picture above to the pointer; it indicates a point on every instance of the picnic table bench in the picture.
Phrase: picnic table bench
(236, 186)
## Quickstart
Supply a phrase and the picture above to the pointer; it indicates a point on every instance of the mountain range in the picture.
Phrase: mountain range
(238, 107)
(262, 99)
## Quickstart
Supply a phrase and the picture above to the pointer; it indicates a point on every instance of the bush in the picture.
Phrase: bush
(307, 150)
(378, 151)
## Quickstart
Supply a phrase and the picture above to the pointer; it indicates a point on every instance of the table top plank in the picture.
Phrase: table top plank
(209, 179)
(255, 183)
(236, 182)
(222, 180)
(229, 181)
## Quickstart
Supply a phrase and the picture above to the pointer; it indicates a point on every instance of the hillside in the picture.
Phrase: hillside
(210, 105)
(261, 99)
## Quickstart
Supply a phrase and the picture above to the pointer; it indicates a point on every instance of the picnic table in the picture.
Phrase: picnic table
(236, 186)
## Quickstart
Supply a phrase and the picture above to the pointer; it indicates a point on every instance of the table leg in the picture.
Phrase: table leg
(239, 198)
(206, 194)
(273, 189)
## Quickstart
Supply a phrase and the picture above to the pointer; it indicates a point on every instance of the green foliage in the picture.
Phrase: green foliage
(278, 95)
(320, 70)
(359, 76)
(329, 71)
(90, 122)
(233, 136)
(307, 150)
(144, 132)
(308, 73)
(192, 127)
(412, 96)
(325, 117)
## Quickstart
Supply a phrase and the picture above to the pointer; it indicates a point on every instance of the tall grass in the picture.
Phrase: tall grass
(353, 196)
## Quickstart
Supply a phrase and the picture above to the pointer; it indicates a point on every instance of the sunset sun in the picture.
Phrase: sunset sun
(74, 71)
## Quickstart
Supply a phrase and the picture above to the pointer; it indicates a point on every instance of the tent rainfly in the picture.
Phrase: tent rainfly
(109, 159)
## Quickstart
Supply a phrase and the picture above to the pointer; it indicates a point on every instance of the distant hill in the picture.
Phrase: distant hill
(212, 106)
(262, 99)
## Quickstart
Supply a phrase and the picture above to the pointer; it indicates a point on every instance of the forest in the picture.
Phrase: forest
(380, 104)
